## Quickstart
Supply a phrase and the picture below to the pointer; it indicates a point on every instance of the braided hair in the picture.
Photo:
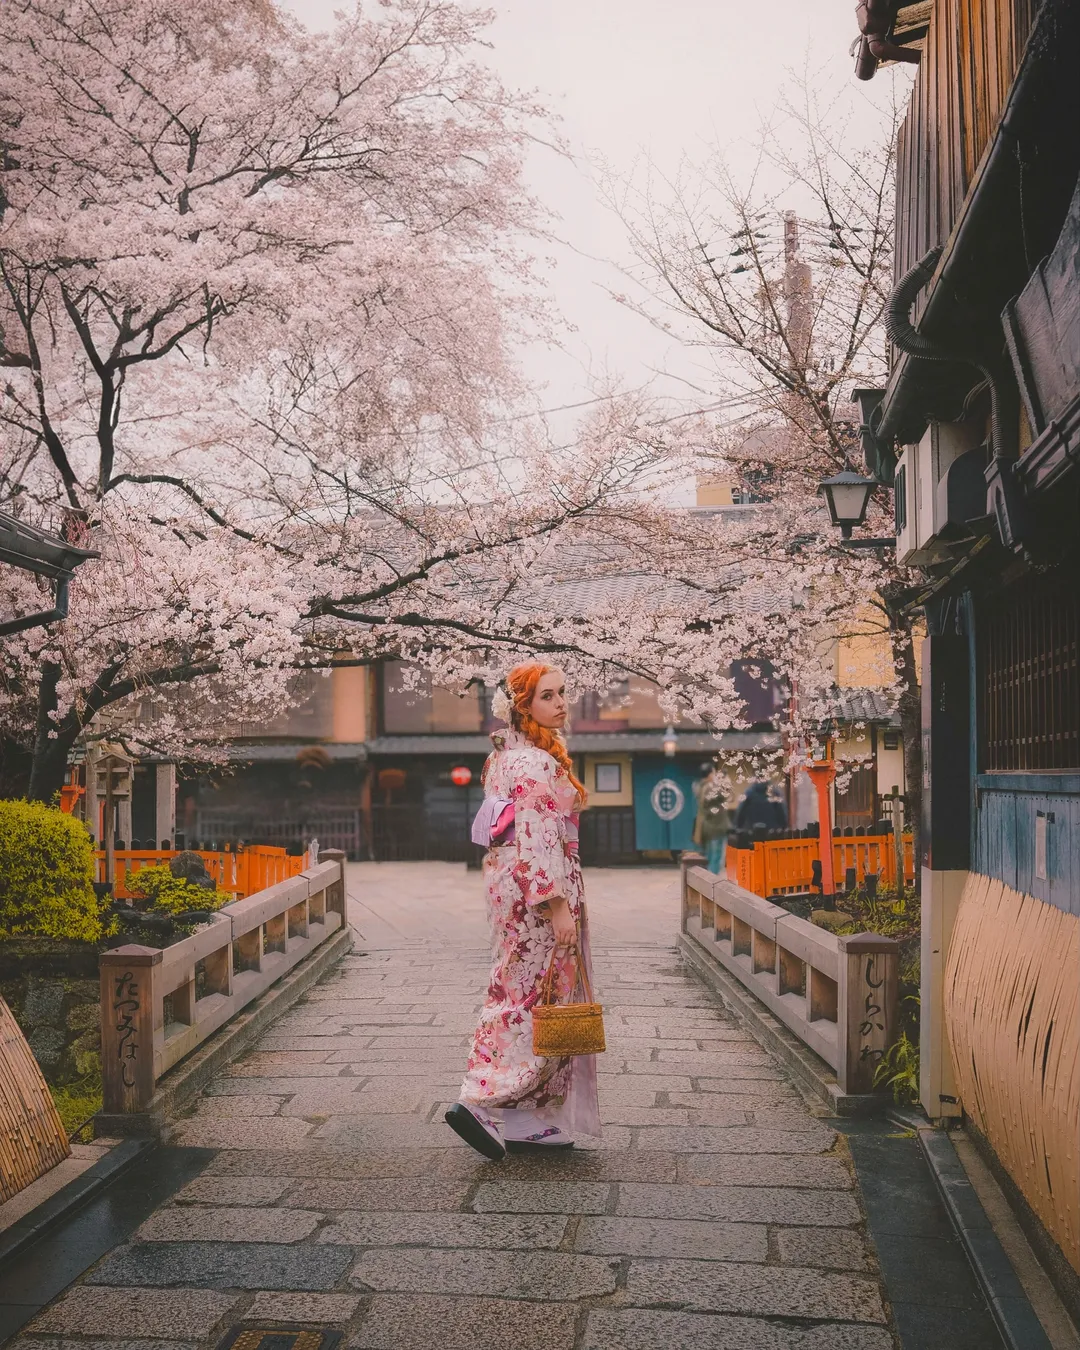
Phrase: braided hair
(521, 688)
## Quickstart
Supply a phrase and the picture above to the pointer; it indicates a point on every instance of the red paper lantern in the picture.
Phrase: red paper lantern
(461, 776)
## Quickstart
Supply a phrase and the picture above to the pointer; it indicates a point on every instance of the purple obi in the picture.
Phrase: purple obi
(494, 822)
(493, 825)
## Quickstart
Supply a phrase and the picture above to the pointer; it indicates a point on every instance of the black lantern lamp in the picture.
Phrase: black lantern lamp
(47, 555)
(848, 496)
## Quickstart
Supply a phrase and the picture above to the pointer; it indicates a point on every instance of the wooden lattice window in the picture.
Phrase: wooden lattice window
(1029, 678)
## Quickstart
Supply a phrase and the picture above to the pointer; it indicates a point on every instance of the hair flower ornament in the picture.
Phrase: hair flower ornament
(500, 705)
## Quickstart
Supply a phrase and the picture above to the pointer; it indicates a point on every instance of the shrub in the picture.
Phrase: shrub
(898, 1070)
(161, 893)
(46, 875)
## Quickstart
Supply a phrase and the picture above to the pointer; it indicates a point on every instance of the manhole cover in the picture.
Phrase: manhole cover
(294, 1338)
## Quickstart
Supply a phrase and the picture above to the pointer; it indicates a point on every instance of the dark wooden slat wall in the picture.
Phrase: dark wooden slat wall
(972, 52)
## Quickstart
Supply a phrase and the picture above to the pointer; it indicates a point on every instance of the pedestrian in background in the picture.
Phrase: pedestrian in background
(758, 808)
(713, 820)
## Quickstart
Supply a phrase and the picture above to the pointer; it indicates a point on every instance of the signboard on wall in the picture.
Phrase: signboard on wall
(664, 804)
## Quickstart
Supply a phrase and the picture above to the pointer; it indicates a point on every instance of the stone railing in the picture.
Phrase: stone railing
(837, 994)
(158, 1006)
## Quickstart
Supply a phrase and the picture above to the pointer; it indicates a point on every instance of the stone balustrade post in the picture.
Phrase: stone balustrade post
(335, 893)
(128, 1001)
(689, 858)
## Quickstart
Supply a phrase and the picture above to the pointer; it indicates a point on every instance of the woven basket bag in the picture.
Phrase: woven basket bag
(561, 1029)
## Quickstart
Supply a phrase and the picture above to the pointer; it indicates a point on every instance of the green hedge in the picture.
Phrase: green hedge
(162, 893)
(46, 875)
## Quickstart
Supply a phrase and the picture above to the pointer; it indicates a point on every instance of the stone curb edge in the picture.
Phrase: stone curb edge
(191, 1075)
(811, 1071)
(53, 1211)
(1009, 1305)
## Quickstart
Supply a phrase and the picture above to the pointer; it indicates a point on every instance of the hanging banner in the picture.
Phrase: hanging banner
(664, 804)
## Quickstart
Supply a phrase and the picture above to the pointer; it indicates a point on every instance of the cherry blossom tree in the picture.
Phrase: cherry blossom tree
(250, 278)
(776, 272)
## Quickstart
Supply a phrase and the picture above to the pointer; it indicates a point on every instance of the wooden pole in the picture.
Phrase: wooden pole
(897, 807)
(110, 823)
(821, 775)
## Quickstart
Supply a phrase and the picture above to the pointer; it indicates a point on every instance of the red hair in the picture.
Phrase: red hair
(521, 686)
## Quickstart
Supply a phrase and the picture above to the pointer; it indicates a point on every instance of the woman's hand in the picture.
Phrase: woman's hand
(562, 921)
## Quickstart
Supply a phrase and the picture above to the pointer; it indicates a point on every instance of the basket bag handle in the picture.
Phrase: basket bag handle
(582, 979)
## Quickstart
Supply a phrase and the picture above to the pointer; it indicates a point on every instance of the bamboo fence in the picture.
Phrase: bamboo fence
(1012, 1008)
(32, 1139)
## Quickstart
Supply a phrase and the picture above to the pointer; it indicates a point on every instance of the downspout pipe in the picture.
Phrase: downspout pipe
(59, 611)
(1004, 500)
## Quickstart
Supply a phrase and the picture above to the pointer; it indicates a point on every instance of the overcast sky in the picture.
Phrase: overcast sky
(634, 78)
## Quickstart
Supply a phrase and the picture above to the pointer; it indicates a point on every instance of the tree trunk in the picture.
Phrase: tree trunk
(50, 751)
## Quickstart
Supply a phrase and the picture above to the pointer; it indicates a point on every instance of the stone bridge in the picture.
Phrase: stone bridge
(314, 1186)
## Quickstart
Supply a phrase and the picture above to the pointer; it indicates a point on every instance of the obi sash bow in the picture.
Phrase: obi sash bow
(493, 824)
(494, 821)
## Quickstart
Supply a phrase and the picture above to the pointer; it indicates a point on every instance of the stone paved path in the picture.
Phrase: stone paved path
(715, 1213)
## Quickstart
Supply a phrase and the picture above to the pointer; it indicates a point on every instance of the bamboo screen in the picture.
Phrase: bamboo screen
(32, 1139)
(1012, 1008)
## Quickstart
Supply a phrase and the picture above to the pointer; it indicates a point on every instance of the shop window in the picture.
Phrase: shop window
(609, 778)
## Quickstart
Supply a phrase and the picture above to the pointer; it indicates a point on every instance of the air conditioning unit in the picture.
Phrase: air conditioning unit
(926, 508)
(906, 506)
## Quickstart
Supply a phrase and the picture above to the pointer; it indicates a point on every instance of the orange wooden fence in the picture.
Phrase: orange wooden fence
(241, 873)
(784, 866)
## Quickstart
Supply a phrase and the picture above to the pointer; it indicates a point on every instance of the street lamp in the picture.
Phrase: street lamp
(671, 741)
(45, 554)
(847, 496)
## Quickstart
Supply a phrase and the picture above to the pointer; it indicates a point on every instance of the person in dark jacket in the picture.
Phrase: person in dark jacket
(756, 808)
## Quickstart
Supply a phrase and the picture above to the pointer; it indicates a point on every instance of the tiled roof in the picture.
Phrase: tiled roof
(865, 705)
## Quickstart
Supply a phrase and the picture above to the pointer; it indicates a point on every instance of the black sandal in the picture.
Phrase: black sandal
(476, 1134)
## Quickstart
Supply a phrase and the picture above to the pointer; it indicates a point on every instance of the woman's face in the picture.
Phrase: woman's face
(549, 702)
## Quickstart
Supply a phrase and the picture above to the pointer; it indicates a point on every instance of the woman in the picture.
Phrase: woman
(529, 822)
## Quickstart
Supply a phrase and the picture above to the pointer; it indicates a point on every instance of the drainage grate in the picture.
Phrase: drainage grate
(280, 1338)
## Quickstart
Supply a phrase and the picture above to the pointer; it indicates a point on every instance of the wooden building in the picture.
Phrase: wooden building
(978, 431)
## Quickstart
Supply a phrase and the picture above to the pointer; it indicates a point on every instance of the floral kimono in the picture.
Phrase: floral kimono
(539, 862)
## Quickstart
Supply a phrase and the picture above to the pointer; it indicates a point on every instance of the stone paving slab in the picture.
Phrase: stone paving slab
(768, 1169)
(204, 1223)
(98, 1343)
(542, 1197)
(716, 1211)
(145, 1312)
(709, 1139)
(710, 1241)
(419, 1322)
(638, 1330)
(764, 1291)
(325, 1309)
(233, 1191)
(835, 1248)
(744, 1204)
(502, 1231)
(224, 1265)
(549, 1276)
(409, 1194)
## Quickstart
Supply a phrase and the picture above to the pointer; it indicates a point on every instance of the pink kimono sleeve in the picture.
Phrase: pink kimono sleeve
(541, 832)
